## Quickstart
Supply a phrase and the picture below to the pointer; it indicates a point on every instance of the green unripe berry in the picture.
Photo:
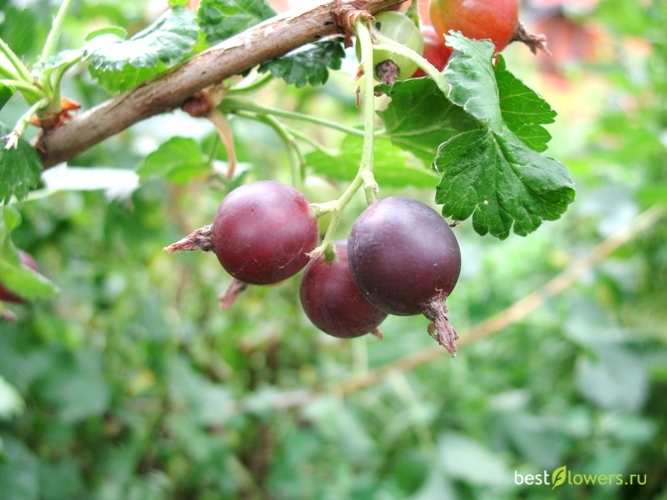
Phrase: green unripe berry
(401, 29)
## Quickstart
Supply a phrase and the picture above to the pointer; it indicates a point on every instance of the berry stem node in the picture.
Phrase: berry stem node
(441, 329)
(231, 294)
(201, 239)
(534, 42)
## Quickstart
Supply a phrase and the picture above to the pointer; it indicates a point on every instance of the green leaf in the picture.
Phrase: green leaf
(523, 109)
(501, 183)
(6, 92)
(308, 65)
(489, 173)
(392, 167)
(21, 28)
(18, 279)
(19, 168)
(473, 81)
(178, 160)
(419, 117)
(221, 19)
(123, 64)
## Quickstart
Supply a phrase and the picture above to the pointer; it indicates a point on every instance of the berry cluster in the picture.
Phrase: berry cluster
(401, 258)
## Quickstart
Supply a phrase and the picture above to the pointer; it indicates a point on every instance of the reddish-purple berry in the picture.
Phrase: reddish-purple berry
(263, 232)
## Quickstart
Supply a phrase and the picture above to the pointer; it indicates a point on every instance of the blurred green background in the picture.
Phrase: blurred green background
(132, 384)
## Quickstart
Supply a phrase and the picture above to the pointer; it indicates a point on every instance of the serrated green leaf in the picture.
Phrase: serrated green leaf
(490, 174)
(19, 168)
(18, 279)
(6, 92)
(122, 64)
(308, 65)
(392, 167)
(472, 79)
(419, 118)
(523, 109)
(221, 19)
(502, 183)
(178, 160)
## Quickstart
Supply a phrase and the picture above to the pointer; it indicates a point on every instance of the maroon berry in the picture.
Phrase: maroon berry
(263, 232)
(27, 261)
(405, 259)
(332, 301)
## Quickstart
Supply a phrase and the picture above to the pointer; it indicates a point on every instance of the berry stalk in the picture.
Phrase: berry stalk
(364, 175)
(234, 105)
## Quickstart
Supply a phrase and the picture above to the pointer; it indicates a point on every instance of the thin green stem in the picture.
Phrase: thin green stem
(25, 88)
(234, 105)
(309, 140)
(55, 105)
(387, 44)
(56, 29)
(251, 87)
(296, 158)
(364, 175)
(22, 72)
(326, 246)
(8, 73)
(366, 166)
(13, 137)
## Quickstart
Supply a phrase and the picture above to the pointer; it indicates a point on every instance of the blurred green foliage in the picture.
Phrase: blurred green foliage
(132, 384)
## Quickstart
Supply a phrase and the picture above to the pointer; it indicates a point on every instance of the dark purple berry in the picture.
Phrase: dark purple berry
(405, 259)
(332, 301)
(263, 232)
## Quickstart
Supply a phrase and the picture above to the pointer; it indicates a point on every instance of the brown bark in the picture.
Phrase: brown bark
(268, 40)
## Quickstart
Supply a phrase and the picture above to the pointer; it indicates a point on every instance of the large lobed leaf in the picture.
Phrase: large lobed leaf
(501, 183)
(420, 118)
(309, 65)
(221, 19)
(523, 110)
(123, 64)
(495, 173)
